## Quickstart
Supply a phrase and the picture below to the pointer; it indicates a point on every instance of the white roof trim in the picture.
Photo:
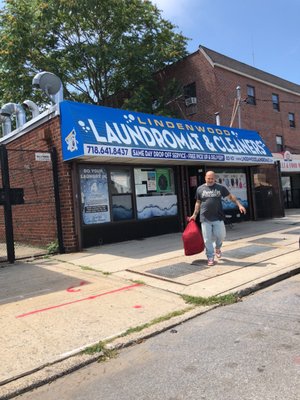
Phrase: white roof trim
(207, 57)
(45, 116)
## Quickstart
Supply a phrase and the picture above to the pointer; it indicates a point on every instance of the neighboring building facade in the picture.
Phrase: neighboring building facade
(269, 105)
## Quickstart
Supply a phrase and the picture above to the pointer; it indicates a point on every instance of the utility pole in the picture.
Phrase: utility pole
(238, 95)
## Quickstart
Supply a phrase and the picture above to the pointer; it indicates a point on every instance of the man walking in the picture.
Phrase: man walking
(209, 204)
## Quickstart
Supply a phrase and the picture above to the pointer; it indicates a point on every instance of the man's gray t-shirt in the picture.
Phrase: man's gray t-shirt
(211, 201)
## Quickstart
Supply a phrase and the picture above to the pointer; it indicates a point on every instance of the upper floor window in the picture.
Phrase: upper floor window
(292, 120)
(275, 101)
(190, 98)
(190, 90)
(279, 144)
(251, 95)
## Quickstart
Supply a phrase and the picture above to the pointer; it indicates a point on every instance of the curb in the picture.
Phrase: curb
(268, 282)
(50, 372)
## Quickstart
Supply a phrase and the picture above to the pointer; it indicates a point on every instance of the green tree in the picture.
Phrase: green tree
(104, 51)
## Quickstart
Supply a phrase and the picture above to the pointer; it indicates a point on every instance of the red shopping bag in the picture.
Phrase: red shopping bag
(193, 242)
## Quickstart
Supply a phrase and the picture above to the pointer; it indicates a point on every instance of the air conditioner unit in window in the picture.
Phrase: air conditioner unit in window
(190, 100)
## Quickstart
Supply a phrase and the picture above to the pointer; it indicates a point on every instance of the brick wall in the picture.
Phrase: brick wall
(35, 221)
(216, 91)
(188, 70)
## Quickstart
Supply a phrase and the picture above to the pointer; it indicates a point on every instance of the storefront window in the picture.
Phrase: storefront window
(122, 207)
(155, 192)
(120, 181)
(107, 193)
(121, 189)
(95, 206)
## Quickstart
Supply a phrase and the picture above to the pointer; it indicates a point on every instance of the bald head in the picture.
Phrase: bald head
(210, 178)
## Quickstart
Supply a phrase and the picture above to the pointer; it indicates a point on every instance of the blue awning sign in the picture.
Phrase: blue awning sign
(96, 131)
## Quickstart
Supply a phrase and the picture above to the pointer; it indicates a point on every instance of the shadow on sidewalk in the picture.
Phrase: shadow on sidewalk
(22, 281)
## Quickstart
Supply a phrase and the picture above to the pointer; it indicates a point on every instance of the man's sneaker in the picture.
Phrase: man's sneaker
(218, 253)
(210, 262)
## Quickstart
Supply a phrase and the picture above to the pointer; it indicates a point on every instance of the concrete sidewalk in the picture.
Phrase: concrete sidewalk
(52, 309)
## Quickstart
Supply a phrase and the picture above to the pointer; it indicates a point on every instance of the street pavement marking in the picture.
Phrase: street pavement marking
(78, 301)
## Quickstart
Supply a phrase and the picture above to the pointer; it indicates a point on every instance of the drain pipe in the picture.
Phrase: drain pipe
(6, 125)
(32, 107)
(238, 97)
(12, 108)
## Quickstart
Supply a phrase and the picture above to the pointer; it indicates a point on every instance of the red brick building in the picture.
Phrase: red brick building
(94, 175)
(269, 105)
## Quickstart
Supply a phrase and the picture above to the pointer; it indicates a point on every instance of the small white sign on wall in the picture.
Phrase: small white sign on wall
(42, 157)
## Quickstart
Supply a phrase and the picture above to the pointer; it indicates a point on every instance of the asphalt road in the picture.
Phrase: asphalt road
(246, 351)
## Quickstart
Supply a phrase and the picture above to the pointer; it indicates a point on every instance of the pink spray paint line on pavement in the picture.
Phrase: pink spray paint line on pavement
(79, 300)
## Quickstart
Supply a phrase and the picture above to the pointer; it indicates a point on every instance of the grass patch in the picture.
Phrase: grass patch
(155, 321)
(52, 248)
(83, 267)
(96, 348)
(208, 301)
(104, 352)
(138, 281)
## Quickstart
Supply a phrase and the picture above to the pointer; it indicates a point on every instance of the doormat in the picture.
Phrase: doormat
(266, 240)
(247, 251)
(175, 270)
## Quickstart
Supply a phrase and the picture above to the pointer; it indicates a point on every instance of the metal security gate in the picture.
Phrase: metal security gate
(30, 222)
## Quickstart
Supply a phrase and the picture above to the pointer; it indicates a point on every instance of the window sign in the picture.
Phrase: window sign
(94, 195)
(237, 185)
(156, 206)
(140, 176)
(288, 162)
(140, 189)
(151, 181)
(122, 207)
(163, 180)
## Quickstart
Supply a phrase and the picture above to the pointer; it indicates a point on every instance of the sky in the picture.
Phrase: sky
(262, 33)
